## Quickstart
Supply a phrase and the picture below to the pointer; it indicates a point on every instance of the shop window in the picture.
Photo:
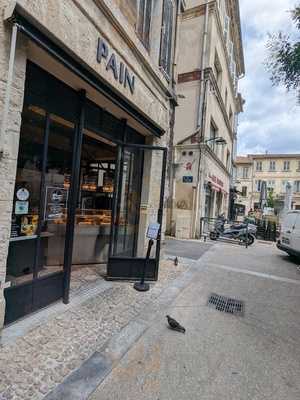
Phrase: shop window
(144, 22)
(39, 216)
(166, 37)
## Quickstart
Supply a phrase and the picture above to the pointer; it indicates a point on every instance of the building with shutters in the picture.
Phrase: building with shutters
(277, 170)
(87, 105)
(210, 64)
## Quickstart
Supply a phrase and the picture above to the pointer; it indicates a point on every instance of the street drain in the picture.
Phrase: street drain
(226, 304)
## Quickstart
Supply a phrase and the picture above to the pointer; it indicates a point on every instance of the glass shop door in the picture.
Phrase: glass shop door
(39, 217)
(138, 201)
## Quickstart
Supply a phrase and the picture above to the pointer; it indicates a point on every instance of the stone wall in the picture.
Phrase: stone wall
(8, 161)
(77, 25)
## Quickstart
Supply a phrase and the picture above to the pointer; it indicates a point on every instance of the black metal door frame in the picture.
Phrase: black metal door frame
(73, 197)
(131, 266)
(42, 291)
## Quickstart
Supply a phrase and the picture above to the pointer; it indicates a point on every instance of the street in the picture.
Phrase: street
(221, 356)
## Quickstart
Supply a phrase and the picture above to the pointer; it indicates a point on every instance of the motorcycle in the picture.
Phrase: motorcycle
(235, 232)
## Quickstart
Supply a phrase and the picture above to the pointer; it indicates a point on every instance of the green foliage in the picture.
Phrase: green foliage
(270, 199)
(284, 57)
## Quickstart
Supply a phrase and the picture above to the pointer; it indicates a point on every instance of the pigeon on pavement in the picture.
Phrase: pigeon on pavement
(175, 325)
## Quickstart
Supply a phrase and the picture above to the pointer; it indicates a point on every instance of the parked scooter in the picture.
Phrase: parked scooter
(235, 231)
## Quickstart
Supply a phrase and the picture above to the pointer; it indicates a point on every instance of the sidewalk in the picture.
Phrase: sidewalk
(57, 340)
(221, 356)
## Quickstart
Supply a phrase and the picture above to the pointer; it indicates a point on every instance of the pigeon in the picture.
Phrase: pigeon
(175, 325)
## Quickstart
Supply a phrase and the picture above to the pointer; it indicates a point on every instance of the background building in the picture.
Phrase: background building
(209, 65)
(276, 170)
(86, 110)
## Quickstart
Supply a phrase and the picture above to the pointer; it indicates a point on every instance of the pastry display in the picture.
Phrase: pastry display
(29, 225)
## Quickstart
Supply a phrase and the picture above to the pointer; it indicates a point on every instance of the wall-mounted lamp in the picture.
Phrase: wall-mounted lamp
(217, 140)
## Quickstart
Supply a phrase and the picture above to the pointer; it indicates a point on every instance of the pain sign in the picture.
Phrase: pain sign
(120, 71)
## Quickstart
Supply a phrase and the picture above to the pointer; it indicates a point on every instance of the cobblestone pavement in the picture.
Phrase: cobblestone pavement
(35, 363)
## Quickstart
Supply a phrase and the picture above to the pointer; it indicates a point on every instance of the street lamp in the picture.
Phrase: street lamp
(217, 140)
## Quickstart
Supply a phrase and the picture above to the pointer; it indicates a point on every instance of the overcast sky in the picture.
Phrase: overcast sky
(271, 118)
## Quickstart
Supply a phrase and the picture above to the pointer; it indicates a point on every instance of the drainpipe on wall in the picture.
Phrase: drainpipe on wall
(200, 123)
(8, 88)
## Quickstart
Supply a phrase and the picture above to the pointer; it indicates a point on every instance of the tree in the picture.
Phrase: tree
(270, 199)
(284, 57)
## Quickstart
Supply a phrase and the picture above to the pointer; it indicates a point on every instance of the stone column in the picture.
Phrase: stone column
(8, 160)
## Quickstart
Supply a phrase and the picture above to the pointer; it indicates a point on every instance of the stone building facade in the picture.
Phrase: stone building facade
(101, 75)
(276, 170)
(210, 64)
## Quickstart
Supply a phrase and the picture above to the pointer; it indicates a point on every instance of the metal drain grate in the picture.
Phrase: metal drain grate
(226, 304)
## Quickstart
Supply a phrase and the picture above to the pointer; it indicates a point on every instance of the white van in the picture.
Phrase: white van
(289, 240)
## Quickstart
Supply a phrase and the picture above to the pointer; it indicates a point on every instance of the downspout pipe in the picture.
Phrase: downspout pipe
(7, 97)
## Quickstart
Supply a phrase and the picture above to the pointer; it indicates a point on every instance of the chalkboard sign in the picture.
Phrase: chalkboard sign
(55, 202)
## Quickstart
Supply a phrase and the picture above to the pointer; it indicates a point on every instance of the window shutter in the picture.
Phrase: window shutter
(170, 35)
(141, 18)
(147, 26)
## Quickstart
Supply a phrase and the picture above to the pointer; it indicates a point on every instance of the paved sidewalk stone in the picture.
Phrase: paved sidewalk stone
(35, 363)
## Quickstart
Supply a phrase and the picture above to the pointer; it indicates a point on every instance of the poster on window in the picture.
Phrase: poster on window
(56, 199)
(21, 207)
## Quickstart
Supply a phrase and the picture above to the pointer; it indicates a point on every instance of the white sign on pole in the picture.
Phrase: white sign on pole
(153, 231)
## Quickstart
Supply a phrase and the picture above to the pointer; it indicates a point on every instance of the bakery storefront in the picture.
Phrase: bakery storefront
(84, 190)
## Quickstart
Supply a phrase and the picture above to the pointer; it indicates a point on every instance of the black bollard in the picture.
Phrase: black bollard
(142, 286)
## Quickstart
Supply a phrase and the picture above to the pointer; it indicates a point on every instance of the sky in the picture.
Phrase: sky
(271, 118)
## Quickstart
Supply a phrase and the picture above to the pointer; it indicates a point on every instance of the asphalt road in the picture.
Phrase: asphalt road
(186, 248)
(221, 356)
